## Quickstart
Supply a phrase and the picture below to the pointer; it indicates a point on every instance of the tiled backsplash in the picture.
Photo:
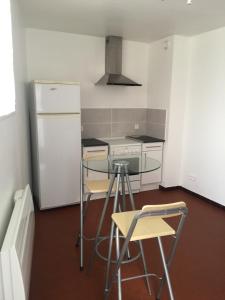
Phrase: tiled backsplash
(156, 122)
(118, 122)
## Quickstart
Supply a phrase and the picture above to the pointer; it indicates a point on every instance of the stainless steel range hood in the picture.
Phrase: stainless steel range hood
(113, 64)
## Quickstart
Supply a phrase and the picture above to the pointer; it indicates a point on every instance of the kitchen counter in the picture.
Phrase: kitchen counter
(121, 141)
(93, 142)
(146, 139)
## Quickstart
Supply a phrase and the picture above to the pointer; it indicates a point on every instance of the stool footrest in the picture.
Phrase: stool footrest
(88, 238)
(141, 276)
(91, 238)
(114, 261)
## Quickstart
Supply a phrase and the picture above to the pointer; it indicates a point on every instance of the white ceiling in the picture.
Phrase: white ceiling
(140, 20)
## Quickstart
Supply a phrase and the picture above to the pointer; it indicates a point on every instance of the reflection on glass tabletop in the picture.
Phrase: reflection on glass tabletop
(132, 164)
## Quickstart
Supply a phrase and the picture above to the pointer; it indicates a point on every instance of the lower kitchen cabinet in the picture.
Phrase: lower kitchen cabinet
(152, 150)
(89, 152)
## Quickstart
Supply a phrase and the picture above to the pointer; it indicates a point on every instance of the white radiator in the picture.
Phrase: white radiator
(17, 248)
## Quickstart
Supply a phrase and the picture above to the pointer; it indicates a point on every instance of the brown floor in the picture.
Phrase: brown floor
(197, 272)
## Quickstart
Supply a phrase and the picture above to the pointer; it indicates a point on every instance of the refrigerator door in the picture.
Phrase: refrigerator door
(57, 98)
(59, 153)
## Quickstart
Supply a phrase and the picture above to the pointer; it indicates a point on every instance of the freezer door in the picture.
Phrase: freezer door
(57, 98)
(59, 153)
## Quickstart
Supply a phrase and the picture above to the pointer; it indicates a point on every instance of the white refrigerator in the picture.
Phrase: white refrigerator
(56, 143)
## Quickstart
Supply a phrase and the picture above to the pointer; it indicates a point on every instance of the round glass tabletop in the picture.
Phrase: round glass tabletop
(132, 164)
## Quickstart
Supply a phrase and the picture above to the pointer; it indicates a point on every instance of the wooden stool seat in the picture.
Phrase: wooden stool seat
(149, 227)
(98, 186)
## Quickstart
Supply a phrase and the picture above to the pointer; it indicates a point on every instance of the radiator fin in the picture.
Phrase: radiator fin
(17, 249)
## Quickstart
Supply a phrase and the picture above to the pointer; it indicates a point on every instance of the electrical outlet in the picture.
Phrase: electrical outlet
(136, 126)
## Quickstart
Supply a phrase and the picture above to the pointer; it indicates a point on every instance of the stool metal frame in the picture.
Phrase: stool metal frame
(81, 237)
(85, 207)
(182, 211)
(81, 217)
(121, 173)
(83, 210)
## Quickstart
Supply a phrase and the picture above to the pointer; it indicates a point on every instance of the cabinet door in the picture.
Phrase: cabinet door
(154, 176)
(92, 175)
(95, 152)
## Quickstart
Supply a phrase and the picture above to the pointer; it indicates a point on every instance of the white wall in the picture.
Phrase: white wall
(14, 157)
(14, 170)
(168, 78)
(65, 56)
(8, 173)
(172, 164)
(160, 73)
(8, 170)
(20, 74)
(204, 144)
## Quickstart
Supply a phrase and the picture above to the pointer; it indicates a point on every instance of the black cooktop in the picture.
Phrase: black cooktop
(93, 142)
(145, 138)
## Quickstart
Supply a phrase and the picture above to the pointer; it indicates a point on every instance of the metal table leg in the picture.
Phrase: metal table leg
(123, 192)
(124, 204)
(81, 219)
(101, 221)
(84, 215)
(112, 230)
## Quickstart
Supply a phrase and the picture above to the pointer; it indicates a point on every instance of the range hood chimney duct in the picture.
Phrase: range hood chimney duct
(113, 64)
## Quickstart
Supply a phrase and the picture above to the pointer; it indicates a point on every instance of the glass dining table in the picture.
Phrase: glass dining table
(119, 168)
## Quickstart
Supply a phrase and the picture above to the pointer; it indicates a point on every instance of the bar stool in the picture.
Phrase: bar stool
(120, 174)
(144, 224)
(93, 187)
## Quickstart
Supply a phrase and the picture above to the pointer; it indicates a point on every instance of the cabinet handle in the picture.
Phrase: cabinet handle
(153, 147)
(145, 159)
(96, 151)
